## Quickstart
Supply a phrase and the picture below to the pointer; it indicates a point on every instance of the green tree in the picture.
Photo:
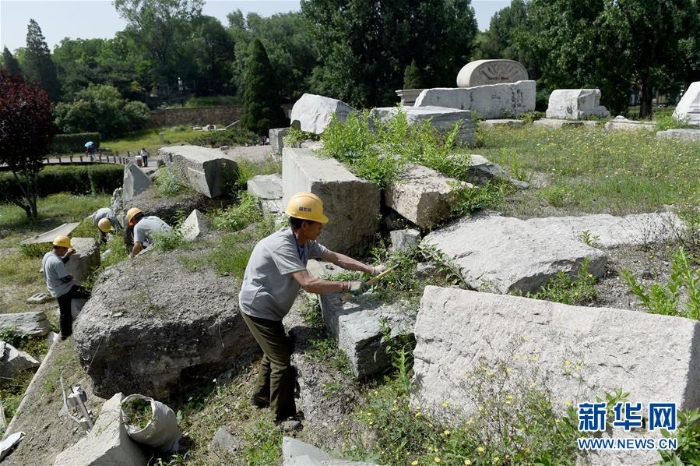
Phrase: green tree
(101, 108)
(261, 100)
(212, 50)
(9, 62)
(158, 29)
(38, 65)
(26, 132)
(364, 47)
(289, 47)
(412, 78)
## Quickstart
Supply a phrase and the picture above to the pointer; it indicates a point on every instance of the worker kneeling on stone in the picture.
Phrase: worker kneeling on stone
(275, 272)
(144, 228)
(105, 219)
(60, 283)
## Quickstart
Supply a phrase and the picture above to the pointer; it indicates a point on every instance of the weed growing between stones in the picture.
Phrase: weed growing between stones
(511, 420)
(169, 240)
(295, 137)
(679, 297)
(688, 437)
(168, 184)
(240, 215)
(562, 288)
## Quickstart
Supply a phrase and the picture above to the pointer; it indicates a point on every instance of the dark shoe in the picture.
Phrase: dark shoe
(291, 423)
(64, 337)
(260, 401)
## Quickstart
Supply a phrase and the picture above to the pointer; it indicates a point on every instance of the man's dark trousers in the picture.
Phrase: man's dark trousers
(64, 304)
(276, 375)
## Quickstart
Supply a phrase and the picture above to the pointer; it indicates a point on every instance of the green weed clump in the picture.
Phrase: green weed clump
(562, 288)
(513, 420)
(238, 216)
(680, 296)
(137, 413)
(168, 184)
(688, 436)
(173, 238)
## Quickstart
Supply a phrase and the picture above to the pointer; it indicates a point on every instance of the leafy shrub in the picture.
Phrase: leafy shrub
(668, 299)
(236, 135)
(295, 136)
(564, 289)
(168, 184)
(238, 216)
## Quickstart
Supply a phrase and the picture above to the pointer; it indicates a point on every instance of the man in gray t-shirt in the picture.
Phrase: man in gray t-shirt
(60, 283)
(144, 229)
(275, 273)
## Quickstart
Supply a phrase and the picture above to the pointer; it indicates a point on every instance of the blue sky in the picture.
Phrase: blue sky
(88, 19)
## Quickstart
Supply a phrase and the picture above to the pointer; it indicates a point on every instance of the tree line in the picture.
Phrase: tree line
(359, 51)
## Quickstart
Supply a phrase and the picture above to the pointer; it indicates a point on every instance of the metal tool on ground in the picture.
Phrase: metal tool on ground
(369, 283)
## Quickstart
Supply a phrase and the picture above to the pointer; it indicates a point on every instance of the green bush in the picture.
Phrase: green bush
(72, 143)
(75, 179)
(235, 135)
(168, 184)
(237, 217)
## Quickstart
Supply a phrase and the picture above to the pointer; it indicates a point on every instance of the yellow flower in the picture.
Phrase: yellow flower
(534, 358)
(517, 356)
(533, 384)
(481, 408)
(495, 459)
(437, 459)
(508, 370)
(578, 367)
(418, 414)
(447, 432)
(527, 450)
(414, 462)
(567, 362)
(467, 462)
(445, 404)
(469, 421)
(480, 449)
(567, 403)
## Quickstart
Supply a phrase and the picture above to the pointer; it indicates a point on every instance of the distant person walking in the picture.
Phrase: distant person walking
(144, 156)
(60, 283)
(90, 151)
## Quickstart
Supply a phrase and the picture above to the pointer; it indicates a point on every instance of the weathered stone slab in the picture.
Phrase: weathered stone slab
(13, 361)
(688, 109)
(554, 123)
(196, 225)
(26, 323)
(86, 258)
(408, 96)
(107, 443)
(201, 168)
(507, 100)
(312, 113)
(441, 118)
(575, 104)
(607, 231)
(684, 134)
(404, 240)
(64, 230)
(165, 335)
(502, 122)
(298, 453)
(135, 182)
(350, 203)
(482, 170)
(505, 254)
(357, 327)
(606, 348)
(495, 71)
(423, 195)
(276, 136)
(620, 123)
(266, 186)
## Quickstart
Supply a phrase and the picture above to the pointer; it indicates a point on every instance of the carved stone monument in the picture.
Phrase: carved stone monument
(482, 72)
(688, 109)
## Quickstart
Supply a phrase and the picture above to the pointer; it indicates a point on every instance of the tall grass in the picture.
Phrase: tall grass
(593, 171)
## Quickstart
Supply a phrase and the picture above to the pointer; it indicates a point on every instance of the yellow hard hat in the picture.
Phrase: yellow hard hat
(306, 206)
(131, 213)
(104, 225)
(62, 242)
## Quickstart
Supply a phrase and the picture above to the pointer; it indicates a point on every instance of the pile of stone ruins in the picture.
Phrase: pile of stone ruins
(454, 328)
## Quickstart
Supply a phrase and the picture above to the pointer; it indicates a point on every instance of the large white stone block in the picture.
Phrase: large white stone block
(351, 204)
(483, 72)
(688, 109)
(575, 104)
(313, 113)
(506, 100)
(201, 168)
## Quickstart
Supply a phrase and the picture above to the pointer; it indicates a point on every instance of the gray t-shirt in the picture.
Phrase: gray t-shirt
(54, 270)
(269, 289)
(104, 212)
(147, 226)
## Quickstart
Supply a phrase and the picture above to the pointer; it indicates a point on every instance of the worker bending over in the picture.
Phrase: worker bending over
(144, 228)
(105, 219)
